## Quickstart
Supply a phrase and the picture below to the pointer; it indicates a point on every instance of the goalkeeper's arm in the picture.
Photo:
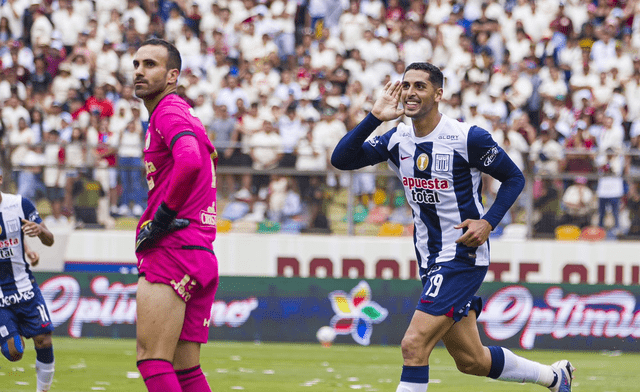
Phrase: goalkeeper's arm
(186, 156)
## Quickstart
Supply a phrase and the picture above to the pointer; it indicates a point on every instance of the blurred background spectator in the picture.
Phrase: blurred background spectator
(610, 188)
(578, 203)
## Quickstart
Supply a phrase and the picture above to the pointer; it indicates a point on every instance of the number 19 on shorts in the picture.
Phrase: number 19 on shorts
(435, 282)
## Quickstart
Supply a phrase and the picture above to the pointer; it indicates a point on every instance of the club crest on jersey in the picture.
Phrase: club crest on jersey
(13, 225)
(441, 163)
(422, 162)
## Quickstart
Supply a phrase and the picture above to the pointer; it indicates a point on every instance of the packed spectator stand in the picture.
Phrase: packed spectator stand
(278, 83)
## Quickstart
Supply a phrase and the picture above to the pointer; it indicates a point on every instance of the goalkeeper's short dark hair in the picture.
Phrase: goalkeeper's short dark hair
(435, 74)
(174, 61)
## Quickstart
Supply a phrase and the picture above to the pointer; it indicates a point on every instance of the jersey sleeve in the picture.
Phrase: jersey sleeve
(30, 211)
(377, 148)
(486, 156)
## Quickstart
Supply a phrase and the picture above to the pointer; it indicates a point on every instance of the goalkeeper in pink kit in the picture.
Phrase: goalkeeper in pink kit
(174, 244)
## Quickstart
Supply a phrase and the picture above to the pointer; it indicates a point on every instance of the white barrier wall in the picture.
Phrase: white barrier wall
(534, 261)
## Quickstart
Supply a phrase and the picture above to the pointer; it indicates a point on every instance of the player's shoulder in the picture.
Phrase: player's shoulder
(171, 104)
(455, 127)
(390, 138)
(15, 203)
(171, 110)
(466, 131)
(452, 133)
(399, 132)
(10, 200)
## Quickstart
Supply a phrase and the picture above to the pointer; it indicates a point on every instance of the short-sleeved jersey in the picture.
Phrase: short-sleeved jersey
(170, 120)
(441, 176)
(17, 283)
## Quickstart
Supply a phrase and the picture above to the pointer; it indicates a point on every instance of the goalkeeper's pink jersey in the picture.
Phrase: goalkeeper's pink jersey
(171, 119)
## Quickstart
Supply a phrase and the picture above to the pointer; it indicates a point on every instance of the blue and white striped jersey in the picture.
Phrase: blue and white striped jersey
(16, 280)
(441, 176)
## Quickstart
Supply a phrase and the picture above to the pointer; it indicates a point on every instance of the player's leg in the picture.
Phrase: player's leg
(160, 317)
(471, 357)
(13, 347)
(35, 323)
(186, 362)
(446, 293)
(11, 341)
(424, 332)
(45, 363)
(195, 329)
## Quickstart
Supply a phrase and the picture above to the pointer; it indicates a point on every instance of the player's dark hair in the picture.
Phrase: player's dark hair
(174, 61)
(435, 74)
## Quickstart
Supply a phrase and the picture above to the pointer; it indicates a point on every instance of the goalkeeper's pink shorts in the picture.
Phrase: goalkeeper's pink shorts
(193, 274)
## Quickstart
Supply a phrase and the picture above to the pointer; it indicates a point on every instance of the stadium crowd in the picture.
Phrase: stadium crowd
(278, 82)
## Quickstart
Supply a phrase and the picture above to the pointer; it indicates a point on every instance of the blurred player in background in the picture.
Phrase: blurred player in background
(174, 245)
(23, 311)
(440, 162)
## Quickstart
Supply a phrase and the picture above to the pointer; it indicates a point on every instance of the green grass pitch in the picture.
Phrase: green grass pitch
(109, 365)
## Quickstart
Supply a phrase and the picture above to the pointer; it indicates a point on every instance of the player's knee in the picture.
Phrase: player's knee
(13, 348)
(144, 350)
(43, 341)
(411, 347)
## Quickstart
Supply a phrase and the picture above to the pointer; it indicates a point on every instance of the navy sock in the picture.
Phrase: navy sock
(44, 355)
(497, 362)
(415, 374)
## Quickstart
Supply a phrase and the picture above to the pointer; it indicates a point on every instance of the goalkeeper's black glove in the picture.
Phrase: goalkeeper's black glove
(163, 223)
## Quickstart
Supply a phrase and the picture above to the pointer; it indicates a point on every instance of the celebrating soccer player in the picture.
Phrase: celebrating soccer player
(23, 311)
(174, 244)
(440, 162)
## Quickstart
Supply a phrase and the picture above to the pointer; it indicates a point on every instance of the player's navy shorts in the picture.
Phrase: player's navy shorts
(449, 289)
(30, 318)
(193, 274)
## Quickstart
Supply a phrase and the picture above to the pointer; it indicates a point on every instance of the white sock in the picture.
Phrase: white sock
(520, 369)
(411, 387)
(44, 372)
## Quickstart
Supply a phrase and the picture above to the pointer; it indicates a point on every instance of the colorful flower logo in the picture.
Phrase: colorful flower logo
(356, 312)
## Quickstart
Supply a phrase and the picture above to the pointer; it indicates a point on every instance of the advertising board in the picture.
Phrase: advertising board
(581, 317)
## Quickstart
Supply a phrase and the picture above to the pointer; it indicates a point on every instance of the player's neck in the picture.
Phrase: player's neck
(151, 102)
(423, 126)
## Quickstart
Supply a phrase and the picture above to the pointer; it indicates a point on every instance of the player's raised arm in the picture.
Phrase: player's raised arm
(349, 154)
